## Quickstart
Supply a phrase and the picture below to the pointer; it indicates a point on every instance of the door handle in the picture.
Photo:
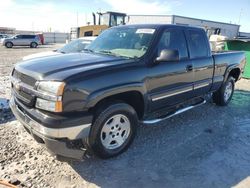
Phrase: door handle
(189, 67)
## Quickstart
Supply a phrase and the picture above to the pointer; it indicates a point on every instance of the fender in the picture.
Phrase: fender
(97, 96)
(229, 69)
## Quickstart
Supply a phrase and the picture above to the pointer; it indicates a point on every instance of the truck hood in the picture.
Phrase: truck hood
(41, 54)
(62, 66)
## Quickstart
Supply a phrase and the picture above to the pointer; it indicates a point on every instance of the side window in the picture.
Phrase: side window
(29, 36)
(173, 39)
(197, 44)
(113, 20)
(18, 36)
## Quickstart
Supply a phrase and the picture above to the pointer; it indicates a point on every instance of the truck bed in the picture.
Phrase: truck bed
(225, 60)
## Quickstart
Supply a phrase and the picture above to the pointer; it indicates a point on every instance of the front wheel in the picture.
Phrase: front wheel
(224, 95)
(9, 45)
(113, 130)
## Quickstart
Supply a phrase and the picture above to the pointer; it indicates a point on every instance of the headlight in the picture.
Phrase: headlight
(51, 87)
(53, 106)
(50, 97)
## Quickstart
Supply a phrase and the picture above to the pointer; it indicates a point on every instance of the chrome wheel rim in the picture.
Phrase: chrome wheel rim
(228, 91)
(115, 131)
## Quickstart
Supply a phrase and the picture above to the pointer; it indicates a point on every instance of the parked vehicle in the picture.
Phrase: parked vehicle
(105, 21)
(91, 102)
(3, 36)
(74, 46)
(22, 40)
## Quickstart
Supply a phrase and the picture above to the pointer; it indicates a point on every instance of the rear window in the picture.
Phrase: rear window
(197, 44)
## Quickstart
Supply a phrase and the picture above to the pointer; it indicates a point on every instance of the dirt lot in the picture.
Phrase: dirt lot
(206, 147)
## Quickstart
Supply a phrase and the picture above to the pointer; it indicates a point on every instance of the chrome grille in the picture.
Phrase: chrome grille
(24, 78)
(19, 93)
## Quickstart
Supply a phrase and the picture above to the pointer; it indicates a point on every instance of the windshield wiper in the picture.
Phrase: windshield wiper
(88, 50)
(60, 51)
(108, 52)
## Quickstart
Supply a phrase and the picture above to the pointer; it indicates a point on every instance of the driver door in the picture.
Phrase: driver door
(170, 83)
(18, 40)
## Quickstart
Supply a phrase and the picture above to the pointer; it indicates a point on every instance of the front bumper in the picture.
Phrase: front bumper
(3, 42)
(66, 141)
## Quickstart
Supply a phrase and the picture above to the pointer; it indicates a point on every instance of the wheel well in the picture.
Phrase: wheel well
(235, 73)
(9, 42)
(133, 98)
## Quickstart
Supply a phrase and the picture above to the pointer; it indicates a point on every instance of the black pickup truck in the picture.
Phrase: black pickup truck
(91, 102)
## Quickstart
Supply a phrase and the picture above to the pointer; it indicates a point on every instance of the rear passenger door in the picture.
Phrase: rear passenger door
(170, 83)
(200, 55)
(26, 40)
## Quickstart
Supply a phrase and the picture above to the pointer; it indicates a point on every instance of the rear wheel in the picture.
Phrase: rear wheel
(8, 44)
(33, 45)
(224, 95)
(113, 130)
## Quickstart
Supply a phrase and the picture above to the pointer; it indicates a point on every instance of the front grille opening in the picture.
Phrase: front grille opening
(27, 130)
(76, 144)
(23, 96)
(24, 78)
(38, 139)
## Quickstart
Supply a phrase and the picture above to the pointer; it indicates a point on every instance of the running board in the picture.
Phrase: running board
(153, 121)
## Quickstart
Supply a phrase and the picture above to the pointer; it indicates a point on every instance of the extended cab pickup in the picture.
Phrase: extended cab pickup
(91, 102)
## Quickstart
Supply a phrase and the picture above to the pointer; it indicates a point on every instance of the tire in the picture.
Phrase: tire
(224, 95)
(33, 45)
(8, 44)
(113, 130)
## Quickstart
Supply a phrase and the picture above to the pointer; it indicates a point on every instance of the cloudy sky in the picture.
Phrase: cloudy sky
(60, 15)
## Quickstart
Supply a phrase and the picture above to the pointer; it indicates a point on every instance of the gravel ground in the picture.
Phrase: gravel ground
(206, 147)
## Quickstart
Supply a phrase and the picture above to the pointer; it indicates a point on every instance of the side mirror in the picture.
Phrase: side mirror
(168, 55)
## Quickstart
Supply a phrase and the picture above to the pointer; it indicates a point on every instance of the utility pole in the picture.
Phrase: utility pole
(32, 26)
(77, 19)
(241, 11)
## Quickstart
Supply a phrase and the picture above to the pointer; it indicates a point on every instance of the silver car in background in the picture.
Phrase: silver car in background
(74, 46)
(22, 40)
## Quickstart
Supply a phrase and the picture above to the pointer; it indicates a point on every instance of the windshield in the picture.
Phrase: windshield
(127, 42)
(77, 45)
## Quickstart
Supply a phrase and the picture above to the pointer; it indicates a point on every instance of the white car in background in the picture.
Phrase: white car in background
(73, 46)
(2, 37)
